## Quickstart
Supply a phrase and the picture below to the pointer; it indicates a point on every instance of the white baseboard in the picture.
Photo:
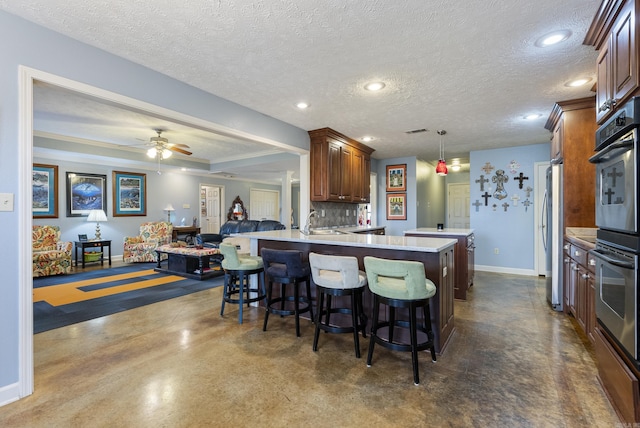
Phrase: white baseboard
(9, 394)
(512, 271)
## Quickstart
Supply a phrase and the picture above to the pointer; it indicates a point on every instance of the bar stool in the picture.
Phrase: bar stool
(400, 284)
(286, 267)
(237, 271)
(338, 276)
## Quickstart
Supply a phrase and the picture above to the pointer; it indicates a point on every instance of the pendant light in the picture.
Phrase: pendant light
(441, 168)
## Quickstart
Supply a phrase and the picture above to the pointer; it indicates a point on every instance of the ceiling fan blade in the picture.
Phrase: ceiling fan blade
(179, 150)
(184, 146)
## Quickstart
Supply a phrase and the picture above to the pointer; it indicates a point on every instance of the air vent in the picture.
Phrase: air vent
(417, 131)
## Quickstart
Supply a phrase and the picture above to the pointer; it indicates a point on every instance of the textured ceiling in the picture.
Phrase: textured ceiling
(469, 67)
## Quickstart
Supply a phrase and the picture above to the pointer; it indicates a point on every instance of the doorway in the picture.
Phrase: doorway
(458, 216)
(211, 198)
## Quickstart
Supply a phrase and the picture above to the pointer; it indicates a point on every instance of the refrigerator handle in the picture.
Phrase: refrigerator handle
(545, 208)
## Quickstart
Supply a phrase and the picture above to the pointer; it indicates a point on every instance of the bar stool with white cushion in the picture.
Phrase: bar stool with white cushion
(338, 276)
(400, 284)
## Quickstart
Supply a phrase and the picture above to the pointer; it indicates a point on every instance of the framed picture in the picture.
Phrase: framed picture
(44, 183)
(397, 178)
(83, 238)
(85, 192)
(396, 206)
(129, 194)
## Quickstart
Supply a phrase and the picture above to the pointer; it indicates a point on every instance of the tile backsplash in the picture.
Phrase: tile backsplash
(336, 214)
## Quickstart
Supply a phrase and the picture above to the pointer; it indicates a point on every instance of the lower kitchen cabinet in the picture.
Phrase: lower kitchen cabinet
(579, 285)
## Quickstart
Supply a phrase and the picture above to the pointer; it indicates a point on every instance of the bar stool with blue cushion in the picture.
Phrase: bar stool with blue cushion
(237, 271)
(286, 267)
(400, 284)
(338, 276)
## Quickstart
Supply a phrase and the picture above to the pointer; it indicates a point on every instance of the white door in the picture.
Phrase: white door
(264, 205)
(458, 209)
(210, 208)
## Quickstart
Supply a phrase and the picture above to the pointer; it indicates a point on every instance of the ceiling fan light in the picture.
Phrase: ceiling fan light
(441, 168)
(166, 153)
(152, 152)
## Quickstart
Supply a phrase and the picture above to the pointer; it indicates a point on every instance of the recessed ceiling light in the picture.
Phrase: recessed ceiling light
(553, 38)
(578, 82)
(532, 116)
(302, 105)
(367, 139)
(374, 86)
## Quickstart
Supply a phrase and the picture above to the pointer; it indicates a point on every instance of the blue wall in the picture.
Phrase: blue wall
(512, 231)
(24, 43)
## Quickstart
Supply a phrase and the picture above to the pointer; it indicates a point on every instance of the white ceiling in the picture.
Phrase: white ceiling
(469, 67)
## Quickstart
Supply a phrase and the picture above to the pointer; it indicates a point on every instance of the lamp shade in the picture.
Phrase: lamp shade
(169, 207)
(97, 215)
(441, 168)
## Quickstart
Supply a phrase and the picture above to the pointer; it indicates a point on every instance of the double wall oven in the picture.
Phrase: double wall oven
(618, 238)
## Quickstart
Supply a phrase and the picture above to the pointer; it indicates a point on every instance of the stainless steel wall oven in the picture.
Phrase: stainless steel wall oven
(618, 238)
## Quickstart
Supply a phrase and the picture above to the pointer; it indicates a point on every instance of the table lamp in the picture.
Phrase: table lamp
(168, 209)
(97, 216)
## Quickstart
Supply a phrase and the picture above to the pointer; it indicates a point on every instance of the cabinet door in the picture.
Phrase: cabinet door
(346, 178)
(557, 140)
(334, 171)
(581, 297)
(366, 178)
(603, 88)
(624, 59)
(357, 161)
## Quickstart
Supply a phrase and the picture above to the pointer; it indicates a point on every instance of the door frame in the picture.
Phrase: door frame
(220, 199)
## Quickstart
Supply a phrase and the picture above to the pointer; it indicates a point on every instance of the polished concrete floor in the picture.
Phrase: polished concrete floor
(512, 362)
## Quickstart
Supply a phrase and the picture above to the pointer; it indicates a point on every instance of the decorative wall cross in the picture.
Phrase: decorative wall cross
(494, 206)
(528, 190)
(513, 166)
(487, 168)
(500, 179)
(515, 199)
(486, 197)
(521, 178)
(482, 180)
(526, 204)
(477, 204)
(505, 206)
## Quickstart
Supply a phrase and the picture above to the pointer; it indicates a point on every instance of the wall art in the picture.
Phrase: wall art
(396, 206)
(85, 192)
(44, 183)
(396, 178)
(129, 194)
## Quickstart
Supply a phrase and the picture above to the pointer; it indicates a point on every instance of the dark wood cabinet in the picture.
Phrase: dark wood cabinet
(573, 123)
(614, 34)
(580, 284)
(556, 141)
(340, 168)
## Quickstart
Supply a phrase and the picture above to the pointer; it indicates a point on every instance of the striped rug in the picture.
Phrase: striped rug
(68, 299)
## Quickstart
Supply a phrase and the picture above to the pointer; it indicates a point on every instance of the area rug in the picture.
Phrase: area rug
(68, 299)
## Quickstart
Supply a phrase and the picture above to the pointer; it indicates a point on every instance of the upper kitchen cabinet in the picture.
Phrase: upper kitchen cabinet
(340, 168)
(613, 32)
(573, 128)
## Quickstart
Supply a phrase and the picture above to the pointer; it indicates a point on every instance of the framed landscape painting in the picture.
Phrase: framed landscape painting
(129, 194)
(85, 192)
(396, 206)
(44, 183)
(396, 178)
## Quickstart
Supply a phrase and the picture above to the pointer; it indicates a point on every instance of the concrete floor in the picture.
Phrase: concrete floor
(512, 362)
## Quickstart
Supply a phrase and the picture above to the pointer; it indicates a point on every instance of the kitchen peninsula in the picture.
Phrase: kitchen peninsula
(437, 255)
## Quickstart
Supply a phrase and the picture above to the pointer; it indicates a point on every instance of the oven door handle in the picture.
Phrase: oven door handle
(613, 261)
(622, 144)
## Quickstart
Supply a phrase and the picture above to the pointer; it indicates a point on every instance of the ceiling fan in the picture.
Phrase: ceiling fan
(162, 148)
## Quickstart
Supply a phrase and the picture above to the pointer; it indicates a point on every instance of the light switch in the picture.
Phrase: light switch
(186, 206)
(6, 201)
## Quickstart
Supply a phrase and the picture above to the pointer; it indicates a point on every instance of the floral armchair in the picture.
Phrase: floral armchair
(142, 248)
(50, 255)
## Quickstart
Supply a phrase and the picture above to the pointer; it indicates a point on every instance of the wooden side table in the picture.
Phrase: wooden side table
(82, 245)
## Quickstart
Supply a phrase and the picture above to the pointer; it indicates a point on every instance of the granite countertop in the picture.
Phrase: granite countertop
(445, 231)
(583, 236)
(403, 243)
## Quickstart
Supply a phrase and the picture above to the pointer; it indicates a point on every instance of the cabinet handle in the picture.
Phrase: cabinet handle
(566, 246)
(592, 262)
(585, 276)
(566, 261)
(576, 253)
(576, 268)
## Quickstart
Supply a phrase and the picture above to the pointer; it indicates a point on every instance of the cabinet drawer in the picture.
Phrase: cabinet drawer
(579, 255)
(619, 383)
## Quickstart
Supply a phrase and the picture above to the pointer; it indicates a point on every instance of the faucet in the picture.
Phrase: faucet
(305, 229)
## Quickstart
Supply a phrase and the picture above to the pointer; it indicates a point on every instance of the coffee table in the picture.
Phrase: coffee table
(190, 262)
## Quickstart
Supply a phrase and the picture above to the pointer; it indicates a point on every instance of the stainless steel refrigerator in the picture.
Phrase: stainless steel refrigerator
(552, 235)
